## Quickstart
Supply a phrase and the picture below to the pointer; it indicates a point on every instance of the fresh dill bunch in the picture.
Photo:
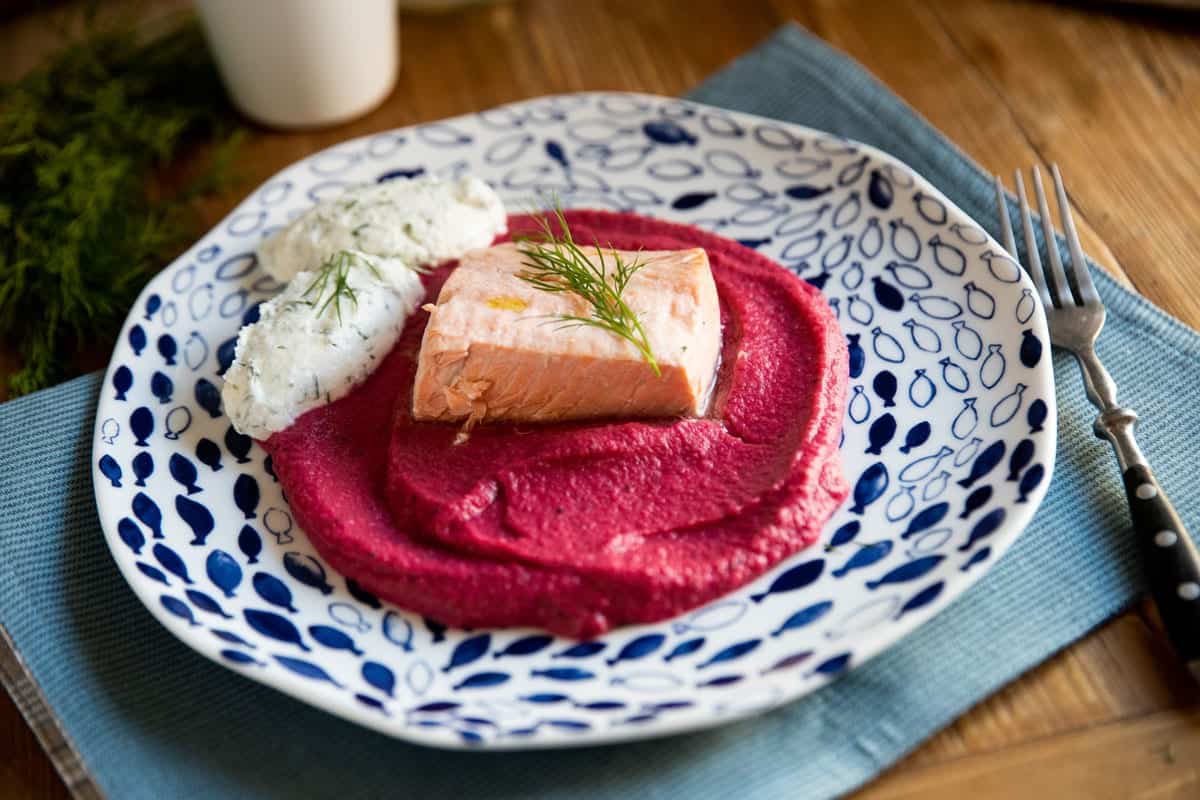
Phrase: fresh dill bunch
(556, 263)
(332, 283)
(80, 230)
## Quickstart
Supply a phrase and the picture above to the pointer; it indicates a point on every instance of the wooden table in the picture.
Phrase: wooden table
(1112, 95)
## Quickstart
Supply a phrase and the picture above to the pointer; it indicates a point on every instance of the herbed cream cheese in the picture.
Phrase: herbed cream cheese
(305, 352)
(420, 221)
(311, 347)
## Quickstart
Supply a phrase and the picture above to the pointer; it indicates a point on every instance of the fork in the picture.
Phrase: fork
(1075, 315)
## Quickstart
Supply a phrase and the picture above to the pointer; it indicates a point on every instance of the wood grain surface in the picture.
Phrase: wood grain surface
(1109, 92)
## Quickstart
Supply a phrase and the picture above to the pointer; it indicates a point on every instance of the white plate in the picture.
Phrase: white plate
(949, 441)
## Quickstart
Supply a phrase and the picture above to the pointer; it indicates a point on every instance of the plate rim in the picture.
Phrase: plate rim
(870, 643)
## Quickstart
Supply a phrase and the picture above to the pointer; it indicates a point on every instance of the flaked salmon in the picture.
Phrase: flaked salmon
(494, 348)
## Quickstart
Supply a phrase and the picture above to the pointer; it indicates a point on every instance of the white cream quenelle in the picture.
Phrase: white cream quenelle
(352, 268)
(420, 221)
(318, 339)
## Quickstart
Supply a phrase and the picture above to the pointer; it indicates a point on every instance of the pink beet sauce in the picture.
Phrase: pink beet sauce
(581, 527)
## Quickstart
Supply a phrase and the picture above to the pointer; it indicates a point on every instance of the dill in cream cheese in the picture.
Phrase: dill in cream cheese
(307, 350)
(419, 221)
(353, 269)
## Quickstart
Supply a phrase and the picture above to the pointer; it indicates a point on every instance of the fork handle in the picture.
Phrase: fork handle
(1171, 561)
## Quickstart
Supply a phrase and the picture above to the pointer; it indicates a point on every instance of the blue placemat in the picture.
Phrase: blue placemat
(151, 719)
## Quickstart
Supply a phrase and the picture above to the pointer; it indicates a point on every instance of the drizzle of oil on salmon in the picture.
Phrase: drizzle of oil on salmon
(506, 302)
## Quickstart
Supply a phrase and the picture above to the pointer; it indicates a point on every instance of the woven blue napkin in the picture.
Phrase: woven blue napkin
(149, 718)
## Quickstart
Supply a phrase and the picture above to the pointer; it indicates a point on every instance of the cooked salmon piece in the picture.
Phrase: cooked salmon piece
(494, 349)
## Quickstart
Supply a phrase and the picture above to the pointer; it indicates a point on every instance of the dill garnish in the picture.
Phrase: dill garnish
(333, 278)
(556, 263)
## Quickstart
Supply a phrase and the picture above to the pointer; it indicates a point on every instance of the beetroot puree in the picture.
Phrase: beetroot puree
(578, 528)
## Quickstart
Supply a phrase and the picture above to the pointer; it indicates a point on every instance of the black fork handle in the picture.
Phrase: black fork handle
(1171, 562)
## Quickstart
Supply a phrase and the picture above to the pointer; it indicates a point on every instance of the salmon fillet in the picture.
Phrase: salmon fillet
(493, 350)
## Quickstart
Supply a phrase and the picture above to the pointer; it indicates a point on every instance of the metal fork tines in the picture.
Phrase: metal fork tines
(1073, 308)
(1075, 315)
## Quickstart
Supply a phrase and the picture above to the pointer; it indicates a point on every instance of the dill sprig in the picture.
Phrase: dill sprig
(82, 225)
(556, 263)
(332, 283)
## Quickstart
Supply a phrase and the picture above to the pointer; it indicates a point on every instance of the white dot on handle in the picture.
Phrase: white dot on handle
(1165, 538)
(1146, 491)
(1189, 590)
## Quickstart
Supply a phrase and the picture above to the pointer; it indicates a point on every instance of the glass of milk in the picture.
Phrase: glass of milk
(304, 63)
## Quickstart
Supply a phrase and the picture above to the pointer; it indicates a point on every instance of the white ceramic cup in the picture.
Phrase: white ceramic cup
(303, 63)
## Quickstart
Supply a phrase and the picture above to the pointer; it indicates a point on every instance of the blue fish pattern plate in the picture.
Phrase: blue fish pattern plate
(948, 444)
